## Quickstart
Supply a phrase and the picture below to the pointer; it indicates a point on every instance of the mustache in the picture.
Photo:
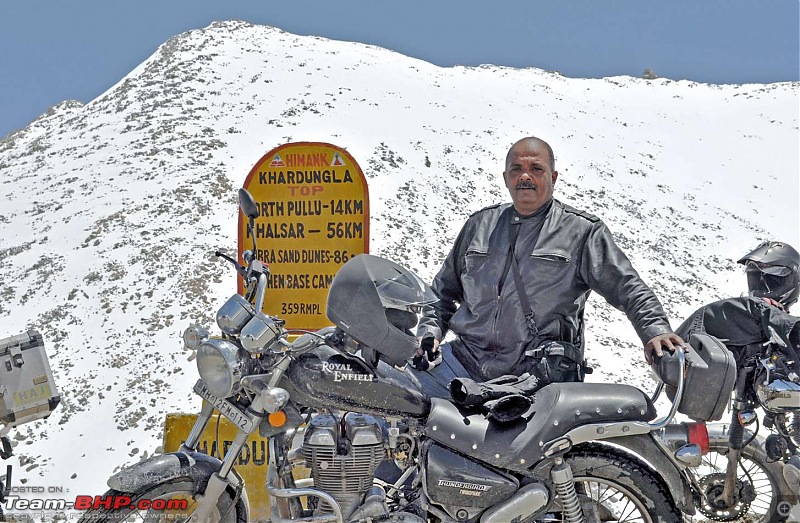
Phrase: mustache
(526, 184)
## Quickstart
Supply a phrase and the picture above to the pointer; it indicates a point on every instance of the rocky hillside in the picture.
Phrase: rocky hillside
(111, 209)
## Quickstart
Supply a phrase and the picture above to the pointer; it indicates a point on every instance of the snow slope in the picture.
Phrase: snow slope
(111, 210)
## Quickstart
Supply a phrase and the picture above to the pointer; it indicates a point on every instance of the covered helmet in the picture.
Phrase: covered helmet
(376, 301)
(773, 271)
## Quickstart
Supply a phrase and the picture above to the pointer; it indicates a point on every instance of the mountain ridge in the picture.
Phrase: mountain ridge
(113, 208)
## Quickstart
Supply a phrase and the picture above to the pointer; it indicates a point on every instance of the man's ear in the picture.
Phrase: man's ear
(555, 177)
(505, 180)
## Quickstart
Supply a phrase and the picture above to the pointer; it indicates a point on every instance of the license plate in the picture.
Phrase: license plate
(226, 408)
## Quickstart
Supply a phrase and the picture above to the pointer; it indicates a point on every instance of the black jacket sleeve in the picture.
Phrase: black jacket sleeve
(607, 271)
(447, 286)
(742, 321)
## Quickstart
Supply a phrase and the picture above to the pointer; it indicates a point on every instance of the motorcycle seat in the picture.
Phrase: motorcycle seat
(558, 408)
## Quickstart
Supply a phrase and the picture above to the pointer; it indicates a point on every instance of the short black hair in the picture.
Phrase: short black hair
(538, 140)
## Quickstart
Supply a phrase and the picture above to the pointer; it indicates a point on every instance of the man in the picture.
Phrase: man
(558, 253)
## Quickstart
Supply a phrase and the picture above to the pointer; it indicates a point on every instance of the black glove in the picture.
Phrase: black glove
(508, 408)
(469, 393)
(429, 358)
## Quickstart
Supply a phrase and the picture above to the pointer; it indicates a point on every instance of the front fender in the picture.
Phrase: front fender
(647, 449)
(195, 466)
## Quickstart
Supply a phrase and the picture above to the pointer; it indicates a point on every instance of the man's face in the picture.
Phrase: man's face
(529, 176)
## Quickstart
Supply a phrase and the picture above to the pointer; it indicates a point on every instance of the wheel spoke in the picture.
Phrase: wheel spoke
(751, 474)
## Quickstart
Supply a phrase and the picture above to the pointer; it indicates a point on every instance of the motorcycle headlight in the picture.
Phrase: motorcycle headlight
(222, 365)
(234, 315)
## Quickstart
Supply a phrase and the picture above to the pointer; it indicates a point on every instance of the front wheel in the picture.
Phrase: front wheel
(764, 496)
(612, 486)
(169, 502)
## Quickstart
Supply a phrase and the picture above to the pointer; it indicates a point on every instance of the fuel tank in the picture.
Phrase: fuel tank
(326, 378)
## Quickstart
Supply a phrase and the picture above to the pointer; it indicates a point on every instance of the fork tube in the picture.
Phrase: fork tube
(199, 426)
(232, 454)
(260, 291)
(735, 438)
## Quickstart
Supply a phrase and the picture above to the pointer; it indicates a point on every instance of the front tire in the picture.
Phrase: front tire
(772, 492)
(620, 488)
(179, 498)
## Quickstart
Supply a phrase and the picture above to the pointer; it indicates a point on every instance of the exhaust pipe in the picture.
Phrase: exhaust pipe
(525, 502)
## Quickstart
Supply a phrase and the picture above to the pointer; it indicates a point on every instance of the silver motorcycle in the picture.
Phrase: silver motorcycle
(341, 403)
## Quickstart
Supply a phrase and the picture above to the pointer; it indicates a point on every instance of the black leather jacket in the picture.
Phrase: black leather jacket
(574, 254)
(743, 325)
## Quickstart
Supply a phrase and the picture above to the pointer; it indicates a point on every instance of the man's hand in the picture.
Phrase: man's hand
(670, 340)
(428, 355)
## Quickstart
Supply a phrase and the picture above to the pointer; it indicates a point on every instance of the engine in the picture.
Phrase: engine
(343, 457)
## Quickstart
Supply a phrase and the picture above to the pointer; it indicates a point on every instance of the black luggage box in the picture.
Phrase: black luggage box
(709, 380)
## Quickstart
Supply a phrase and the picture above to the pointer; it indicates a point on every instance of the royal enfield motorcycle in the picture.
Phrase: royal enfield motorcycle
(342, 404)
(744, 477)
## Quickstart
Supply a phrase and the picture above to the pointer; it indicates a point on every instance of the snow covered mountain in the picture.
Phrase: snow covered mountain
(111, 210)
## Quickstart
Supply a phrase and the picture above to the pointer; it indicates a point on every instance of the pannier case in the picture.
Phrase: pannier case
(27, 389)
(710, 379)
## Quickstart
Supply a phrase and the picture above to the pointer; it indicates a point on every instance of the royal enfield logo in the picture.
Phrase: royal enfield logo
(344, 372)
(462, 485)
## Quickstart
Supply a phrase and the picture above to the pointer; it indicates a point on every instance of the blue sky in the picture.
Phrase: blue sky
(56, 50)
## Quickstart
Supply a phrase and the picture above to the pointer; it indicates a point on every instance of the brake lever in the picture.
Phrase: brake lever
(241, 270)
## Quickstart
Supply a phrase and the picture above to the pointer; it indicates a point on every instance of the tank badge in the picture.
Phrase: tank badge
(344, 372)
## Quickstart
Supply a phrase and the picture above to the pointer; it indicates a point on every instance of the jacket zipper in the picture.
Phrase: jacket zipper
(552, 256)
(496, 319)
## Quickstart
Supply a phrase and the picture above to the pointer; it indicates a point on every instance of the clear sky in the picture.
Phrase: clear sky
(52, 50)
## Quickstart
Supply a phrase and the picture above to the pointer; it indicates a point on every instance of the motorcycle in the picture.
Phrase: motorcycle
(746, 478)
(342, 403)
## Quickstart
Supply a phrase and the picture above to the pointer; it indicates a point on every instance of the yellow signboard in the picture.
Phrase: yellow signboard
(313, 205)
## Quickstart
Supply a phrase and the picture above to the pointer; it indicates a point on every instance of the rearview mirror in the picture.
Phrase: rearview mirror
(247, 204)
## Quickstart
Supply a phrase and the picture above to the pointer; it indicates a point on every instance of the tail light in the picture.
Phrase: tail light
(678, 435)
(698, 433)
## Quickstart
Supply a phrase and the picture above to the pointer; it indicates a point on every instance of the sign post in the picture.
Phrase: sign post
(313, 205)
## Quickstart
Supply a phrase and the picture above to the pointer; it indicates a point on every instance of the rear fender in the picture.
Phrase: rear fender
(648, 450)
(195, 466)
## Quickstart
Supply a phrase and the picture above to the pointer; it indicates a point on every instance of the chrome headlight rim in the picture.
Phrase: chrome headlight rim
(222, 364)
